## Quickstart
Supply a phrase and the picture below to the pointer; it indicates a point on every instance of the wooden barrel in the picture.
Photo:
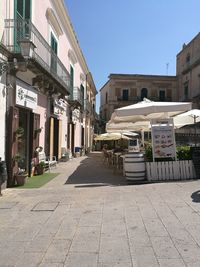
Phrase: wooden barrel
(134, 166)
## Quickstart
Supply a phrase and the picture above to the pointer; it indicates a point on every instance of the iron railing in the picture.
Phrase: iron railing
(77, 95)
(16, 29)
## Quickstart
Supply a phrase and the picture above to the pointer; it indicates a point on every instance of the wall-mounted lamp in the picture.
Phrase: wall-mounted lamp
(27, 48)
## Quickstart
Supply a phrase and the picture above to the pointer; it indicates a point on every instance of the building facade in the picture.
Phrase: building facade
(188, 72)
(45, 91)
(126, 89)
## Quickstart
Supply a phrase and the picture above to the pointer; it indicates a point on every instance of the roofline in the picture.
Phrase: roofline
(186, 45)
(141, 75)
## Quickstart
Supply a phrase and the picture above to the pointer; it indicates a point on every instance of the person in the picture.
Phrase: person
(105, 152)
(3, 174)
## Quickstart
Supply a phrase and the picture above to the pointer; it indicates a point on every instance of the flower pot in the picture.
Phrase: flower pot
(39, 170)
(21, 179)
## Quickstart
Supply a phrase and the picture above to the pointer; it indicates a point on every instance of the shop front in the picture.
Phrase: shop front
(22, 137)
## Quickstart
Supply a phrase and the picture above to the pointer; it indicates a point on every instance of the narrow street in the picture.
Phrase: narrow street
(90, 216)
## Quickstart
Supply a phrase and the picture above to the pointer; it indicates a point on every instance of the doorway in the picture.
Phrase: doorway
(23, 140)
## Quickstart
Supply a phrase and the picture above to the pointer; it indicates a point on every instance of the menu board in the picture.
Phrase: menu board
(163, 140)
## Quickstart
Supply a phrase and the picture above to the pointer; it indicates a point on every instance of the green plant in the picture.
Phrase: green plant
(148, 153)
(41, 164)
(17, 157)
(19, 131)
(183, 152)
(40, 167)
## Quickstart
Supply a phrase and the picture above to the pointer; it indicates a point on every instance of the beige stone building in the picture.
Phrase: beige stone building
(188, 72)
(126, 89)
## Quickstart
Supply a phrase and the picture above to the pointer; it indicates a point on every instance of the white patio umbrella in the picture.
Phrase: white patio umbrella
(110, 136)
(112, 126)
(190, 117)
(147, 110)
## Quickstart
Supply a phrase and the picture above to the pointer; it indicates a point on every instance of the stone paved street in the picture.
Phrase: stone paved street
(90, 216)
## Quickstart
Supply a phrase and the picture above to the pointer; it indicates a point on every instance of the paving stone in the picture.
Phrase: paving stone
(38, 244)
(30, 259)
(80, 259)
(144, 256)
(57, 251)
(45, 206)
(54, 264)
(164, 248)
(117, 264)
(114, 250)
(7, 205)
(86, 239)
(171, 263)
(155, 227)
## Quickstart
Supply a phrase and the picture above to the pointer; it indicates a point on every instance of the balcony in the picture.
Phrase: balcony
(130, 99)
(76, 97)
(44, 60)
(88, 106)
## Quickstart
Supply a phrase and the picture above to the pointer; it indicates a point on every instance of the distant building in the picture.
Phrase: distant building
(188, 72)
(126, 89)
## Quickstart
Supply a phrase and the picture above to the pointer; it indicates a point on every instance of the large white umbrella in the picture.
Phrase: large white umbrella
(147, 110)
(110, 136)
(112, 126)
(190, 117)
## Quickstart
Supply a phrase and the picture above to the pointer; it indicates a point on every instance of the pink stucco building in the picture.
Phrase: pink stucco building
(51, 91)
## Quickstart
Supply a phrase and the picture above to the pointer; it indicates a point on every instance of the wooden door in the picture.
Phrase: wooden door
(12, 143)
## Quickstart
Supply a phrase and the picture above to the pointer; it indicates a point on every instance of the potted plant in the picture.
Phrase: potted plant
(21, 176)
(19, 132)
(40, 167)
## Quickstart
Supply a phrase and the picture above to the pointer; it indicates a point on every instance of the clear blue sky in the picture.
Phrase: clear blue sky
(132, 36)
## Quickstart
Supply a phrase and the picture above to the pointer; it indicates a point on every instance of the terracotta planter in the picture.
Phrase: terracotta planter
(21, 179)
(39, 170)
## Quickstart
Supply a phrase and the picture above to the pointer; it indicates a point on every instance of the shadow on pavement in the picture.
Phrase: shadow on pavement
(196, 196)
(92, 172)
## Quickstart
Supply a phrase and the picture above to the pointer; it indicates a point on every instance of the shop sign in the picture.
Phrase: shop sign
(76, 115)
(163, 138)
(26, 97)
(59, 106)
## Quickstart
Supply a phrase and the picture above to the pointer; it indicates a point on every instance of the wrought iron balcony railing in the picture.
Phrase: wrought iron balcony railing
(16, 29)
(87, 106)
(77, 96)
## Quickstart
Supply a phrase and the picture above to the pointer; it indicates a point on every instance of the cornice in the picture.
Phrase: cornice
(68, 28)
(51, 17)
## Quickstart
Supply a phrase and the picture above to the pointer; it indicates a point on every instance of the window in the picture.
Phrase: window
(162, 95)
(82, 93)
(186, 91)
(125, 95)
(23, 9)
(71, 79)
(22, 12)
(54, 47)
(144, 93)
(188, 58)
(106, 97)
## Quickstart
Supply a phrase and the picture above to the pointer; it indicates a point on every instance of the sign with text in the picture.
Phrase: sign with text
(26, 96)
(163, 138)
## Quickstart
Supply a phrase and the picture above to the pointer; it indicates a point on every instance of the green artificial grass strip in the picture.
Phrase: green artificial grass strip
(38, 180)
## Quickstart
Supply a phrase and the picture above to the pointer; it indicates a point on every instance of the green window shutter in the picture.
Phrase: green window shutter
(54, 46)
(23, 9)
(71, 79)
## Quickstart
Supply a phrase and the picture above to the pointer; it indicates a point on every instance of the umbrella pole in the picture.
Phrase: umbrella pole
(195, 131)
